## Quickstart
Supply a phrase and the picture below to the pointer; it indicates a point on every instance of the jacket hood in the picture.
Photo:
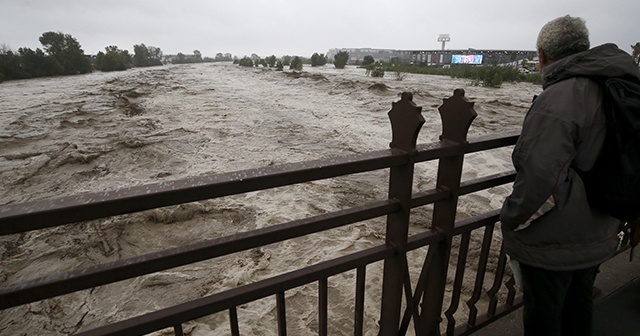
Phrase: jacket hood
(606, 60)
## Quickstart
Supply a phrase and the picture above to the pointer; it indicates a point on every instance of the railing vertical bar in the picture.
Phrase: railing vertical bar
(406, 121)
(481, 270)
(233, 321)
(177, 330)
(412, 304)
(282, 314)
(456, 113)
(497, 283)
(457, 283)
(359, 313)
(412, 310)
(322, 306)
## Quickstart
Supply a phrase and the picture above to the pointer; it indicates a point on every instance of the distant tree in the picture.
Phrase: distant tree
(286, 60)
(377, 70)
(279, 66)
(219, 57)
(368, 60)
(155, 54)
(318, 59)
(67, 51)
(296, 64)
(197, 56)
(271, 61)
(10, 66)
(113, 59)
(494, 75)
(37, 64)
(636, 52)
(341, 59)
(144, 56)
(245, 62)
(181, 58)
(140, 55)
(315, 59)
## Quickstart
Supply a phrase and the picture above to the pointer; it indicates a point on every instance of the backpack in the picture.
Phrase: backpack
(613, 184)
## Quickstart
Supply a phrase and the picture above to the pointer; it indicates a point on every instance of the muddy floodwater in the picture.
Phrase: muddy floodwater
(101, 131)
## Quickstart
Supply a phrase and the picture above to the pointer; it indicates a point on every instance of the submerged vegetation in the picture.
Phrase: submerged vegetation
(487, 75)
(481, 75)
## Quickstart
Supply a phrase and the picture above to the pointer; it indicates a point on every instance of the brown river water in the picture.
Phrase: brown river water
(100, 131)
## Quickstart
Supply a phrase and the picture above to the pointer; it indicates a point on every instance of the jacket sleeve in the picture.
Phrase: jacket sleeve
(541, 157)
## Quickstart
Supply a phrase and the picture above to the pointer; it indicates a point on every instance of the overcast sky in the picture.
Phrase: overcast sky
(301, 27)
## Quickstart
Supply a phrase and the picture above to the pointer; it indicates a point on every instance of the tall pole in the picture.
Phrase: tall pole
(444, 38)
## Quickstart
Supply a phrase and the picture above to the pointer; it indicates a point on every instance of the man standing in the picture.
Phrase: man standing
(547, 224)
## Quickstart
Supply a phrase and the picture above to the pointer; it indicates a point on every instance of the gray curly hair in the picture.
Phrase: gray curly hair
(563, 36)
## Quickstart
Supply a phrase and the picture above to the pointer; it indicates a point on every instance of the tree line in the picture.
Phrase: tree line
(61, 54)
(293, 62)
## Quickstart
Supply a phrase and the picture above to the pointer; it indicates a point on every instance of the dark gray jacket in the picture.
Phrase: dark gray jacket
(563, 131)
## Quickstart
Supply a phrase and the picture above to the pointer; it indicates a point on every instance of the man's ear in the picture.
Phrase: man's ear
(543, 59)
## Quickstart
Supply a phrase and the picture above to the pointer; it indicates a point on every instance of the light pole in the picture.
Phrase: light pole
(444, 38)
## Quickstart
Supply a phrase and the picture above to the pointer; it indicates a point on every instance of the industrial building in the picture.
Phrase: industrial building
(439, 57)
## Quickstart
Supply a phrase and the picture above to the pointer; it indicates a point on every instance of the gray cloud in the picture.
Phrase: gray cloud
(300, 27)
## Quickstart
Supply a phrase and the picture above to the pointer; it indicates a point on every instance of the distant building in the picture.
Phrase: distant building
(439, 57)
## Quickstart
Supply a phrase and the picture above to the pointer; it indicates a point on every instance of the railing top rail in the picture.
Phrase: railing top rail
(92, 276)
(15, 218)
(39, 214)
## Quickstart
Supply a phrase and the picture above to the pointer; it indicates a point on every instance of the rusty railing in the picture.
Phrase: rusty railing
(417, 305)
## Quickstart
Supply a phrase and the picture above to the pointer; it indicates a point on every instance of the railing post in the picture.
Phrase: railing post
(457, 114)
(406, 121)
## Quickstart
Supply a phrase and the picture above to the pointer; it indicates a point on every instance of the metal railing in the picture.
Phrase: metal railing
(417, 304)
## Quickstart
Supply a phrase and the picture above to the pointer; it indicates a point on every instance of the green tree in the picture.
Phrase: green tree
(318, 59)
(296, 64)
(144, 56)
(197, 56)
(246, 62)
(341, 59)
(220, 57)
(368, 60)
(377, 70)
(140, 55)
(67, 51)
(113, 59)
(286, 60)
(10, 65)
(37, 64)
(271, 61)
(279, 66)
